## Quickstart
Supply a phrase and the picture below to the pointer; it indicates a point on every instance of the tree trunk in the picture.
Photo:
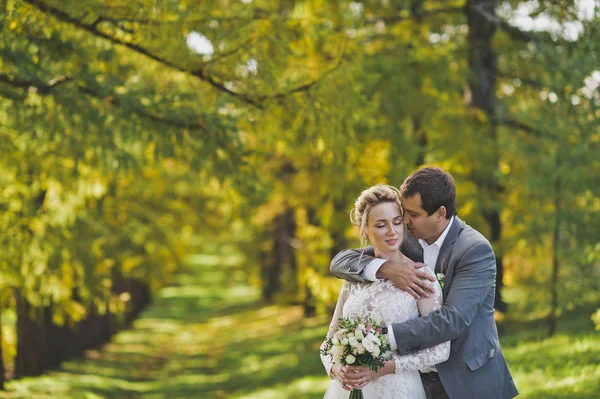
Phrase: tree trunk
(42, 345)
(421, 140)
(553, 316)
(27, 362)
(272, 270)
(482, 86)
(1, 353)
(281, 275)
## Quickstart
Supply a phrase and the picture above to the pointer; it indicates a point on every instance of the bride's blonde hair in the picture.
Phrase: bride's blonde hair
(370, 197)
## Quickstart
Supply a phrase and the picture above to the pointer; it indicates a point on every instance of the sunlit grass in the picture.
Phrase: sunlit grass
(209, 336)
(563, 366)
(205, 336)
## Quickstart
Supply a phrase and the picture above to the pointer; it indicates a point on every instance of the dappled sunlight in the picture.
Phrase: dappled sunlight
(204, 336)
(300, 388)
(215, 260)
(260, 323)
(556, 367)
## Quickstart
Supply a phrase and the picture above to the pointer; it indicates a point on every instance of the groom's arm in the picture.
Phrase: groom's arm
(350, 265)
(353, 265)
(473, 281)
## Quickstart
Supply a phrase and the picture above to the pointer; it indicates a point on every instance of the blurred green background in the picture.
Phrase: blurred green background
(182, 172)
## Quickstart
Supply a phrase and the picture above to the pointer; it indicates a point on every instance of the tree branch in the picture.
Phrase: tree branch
(114, 101)
(527, 81)
(201, 73)
(533, 131)
(41, 89)
(93, 28)
(307, 86)
(258, 14)
(31, 86)
(417, 14)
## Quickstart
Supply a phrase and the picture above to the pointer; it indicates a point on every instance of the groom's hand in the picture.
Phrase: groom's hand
(407, 276)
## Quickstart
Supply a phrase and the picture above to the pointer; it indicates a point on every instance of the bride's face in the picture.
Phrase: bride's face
(384, 228)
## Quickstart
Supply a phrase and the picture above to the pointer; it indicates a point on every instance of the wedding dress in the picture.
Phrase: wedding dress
(384, 302)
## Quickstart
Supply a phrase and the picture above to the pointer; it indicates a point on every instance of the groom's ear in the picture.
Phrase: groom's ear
(441, 212)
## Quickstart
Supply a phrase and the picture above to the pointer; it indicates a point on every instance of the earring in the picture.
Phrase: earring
(364, 241)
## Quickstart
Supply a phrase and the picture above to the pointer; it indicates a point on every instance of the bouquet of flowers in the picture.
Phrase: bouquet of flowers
(358, 342)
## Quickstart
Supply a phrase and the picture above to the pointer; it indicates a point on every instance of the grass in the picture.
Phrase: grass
(566, 365)
(209, 336)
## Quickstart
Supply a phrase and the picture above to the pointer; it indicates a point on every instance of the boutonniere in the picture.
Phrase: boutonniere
(441, 278)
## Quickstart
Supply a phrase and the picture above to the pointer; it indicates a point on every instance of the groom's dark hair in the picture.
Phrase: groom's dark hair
(435, 187)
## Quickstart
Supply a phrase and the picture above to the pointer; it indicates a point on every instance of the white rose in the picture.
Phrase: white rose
(350, 359)
(376, 351)
(335, 341)
(360, 349)
(373, 338)
(353, 342)
(370, 336)
(359, 335)
(336, 353)
(368, 345)
(345, 341)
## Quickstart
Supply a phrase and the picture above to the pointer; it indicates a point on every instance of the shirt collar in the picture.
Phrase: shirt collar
(440, 239)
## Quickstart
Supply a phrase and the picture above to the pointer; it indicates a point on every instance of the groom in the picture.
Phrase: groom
(476, 368)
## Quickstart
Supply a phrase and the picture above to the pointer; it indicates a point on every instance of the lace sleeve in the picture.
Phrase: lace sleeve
(338, 312)
(430, 356)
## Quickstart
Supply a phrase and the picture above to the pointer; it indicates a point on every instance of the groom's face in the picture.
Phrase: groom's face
(416, 219)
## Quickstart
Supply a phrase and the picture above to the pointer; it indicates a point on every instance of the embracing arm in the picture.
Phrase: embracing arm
(430, 356)
(351, 264)
(473, 281)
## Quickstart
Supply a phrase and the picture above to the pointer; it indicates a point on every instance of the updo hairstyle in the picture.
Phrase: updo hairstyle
(369, 198)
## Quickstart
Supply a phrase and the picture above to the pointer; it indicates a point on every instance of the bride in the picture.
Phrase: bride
(378, 214)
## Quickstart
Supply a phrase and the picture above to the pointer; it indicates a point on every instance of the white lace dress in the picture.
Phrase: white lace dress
(382, 301)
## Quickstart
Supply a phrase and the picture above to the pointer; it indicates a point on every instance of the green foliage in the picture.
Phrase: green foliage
(123, 147)
(596, 319)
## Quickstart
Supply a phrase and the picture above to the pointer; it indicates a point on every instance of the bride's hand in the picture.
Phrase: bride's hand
(356, 377)
(340, 372)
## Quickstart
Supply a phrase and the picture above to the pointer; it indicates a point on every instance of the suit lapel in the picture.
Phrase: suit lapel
(441, 265)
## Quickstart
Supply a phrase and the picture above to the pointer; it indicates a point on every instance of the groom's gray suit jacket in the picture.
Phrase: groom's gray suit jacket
(476, 368)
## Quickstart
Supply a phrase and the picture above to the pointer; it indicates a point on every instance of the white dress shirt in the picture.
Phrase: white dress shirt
(430, 255)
